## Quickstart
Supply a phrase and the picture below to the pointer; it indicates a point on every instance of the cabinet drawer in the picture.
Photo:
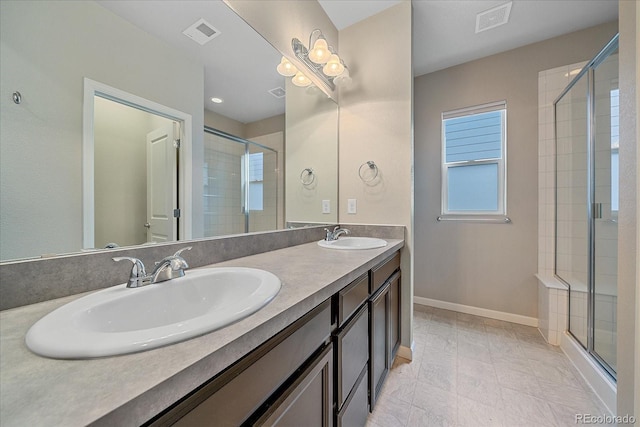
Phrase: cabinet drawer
(233, 396)
(308, 398)
(352, 353)
(352, 297)
(383, 271)
(356, 409)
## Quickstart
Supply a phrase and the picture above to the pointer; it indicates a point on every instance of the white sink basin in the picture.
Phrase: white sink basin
(121, 320)
(352, 243)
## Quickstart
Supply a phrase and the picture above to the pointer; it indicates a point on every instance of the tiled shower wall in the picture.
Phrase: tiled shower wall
(552, 295)
(222, 204)
(550, 85)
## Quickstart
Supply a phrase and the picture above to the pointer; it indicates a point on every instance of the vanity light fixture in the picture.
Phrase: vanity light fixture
(286, 68)
(301, 80)
(320, 60)
(320, 52)
(344, 78)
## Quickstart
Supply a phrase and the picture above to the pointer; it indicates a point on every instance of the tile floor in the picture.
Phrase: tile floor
(475, 371)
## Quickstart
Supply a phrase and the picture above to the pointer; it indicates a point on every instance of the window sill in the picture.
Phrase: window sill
(496, 219)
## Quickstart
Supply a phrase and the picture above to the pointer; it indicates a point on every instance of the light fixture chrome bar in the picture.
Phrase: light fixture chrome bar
(302, 53)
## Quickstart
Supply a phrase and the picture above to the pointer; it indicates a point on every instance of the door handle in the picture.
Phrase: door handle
(597, 211)
(147, 225)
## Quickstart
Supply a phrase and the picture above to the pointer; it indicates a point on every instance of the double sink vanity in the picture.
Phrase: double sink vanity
(318, 346)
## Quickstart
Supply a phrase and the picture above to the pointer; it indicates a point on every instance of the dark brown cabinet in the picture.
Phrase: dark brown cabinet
(377, 294)
(246, 389)
(352, 354)
(325, 369)
(384, 327)
(309, 400)
(355, 410)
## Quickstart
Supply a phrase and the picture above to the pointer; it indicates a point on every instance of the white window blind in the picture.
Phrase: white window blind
(473, 161)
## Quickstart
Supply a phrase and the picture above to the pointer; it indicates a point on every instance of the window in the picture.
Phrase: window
(473, 160)
(615, 156)
(256, 178)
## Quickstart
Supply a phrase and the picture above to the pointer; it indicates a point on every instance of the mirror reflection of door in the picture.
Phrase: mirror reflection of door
(162, 196)
(122, 192)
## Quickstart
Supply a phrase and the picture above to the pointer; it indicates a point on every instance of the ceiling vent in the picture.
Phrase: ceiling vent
(493, 18)
(202, 32)
(278, 92)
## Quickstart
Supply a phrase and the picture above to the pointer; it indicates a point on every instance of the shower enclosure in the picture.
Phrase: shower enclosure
(240, 185)
(586, 123)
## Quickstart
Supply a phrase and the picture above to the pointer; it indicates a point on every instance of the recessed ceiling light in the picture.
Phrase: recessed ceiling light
(217, 100)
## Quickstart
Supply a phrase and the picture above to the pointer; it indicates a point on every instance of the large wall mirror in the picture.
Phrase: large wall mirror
(241, 165)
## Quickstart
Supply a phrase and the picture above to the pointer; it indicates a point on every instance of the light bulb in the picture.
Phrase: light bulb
(333, 67)
(343, 79)
(301, 80)
(286, 68)
(320, 51)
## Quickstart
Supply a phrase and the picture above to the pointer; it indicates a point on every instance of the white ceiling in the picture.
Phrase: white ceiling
(444, 30)
(240, 65)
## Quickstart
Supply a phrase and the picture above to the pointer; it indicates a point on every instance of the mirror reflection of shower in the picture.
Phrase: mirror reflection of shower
(240, 180)
(586, 122)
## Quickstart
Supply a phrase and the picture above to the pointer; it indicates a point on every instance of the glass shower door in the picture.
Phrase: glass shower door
(605, 225)
(240, 179)
(587, 203)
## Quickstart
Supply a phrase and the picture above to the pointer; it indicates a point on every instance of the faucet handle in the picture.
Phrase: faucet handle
(329, 236)
(178, 261)
(177, 254)
(138, 272)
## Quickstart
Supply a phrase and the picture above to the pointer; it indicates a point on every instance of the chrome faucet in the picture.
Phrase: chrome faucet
(168, 268)
(337, 232)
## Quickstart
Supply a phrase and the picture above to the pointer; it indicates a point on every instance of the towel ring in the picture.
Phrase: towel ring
(371, 165)
(307, 176)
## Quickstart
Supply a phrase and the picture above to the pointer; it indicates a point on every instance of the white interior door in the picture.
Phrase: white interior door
(162, 185)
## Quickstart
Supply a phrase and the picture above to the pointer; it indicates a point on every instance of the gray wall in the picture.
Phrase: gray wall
(47, 48)
(628, 238)
(376, 124)
(489, 266)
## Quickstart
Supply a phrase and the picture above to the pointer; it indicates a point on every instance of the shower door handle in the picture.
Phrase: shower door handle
(597, 211)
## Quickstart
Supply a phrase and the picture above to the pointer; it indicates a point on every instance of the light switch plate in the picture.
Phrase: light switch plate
(326, 206)
(352, 206)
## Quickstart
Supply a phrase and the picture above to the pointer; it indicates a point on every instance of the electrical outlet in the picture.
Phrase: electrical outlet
(352, 207)
(326, 206)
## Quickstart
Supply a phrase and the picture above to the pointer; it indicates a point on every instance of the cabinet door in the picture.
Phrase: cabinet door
(379, 351)
(352, 354)
(394, 315)
(309, 400)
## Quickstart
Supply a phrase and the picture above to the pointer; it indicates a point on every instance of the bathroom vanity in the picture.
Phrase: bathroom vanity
(320, 350)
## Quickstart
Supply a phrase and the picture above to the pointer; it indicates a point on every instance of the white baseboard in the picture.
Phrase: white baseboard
(484, 312)
(602, 385)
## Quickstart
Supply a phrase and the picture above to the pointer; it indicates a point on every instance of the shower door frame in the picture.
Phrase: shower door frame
(245, 177)
(589, 72)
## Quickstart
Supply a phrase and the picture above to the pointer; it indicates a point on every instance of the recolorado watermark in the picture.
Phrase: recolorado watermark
(605, 419)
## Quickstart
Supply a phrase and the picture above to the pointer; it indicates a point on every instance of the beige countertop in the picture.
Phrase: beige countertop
(130, 389)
